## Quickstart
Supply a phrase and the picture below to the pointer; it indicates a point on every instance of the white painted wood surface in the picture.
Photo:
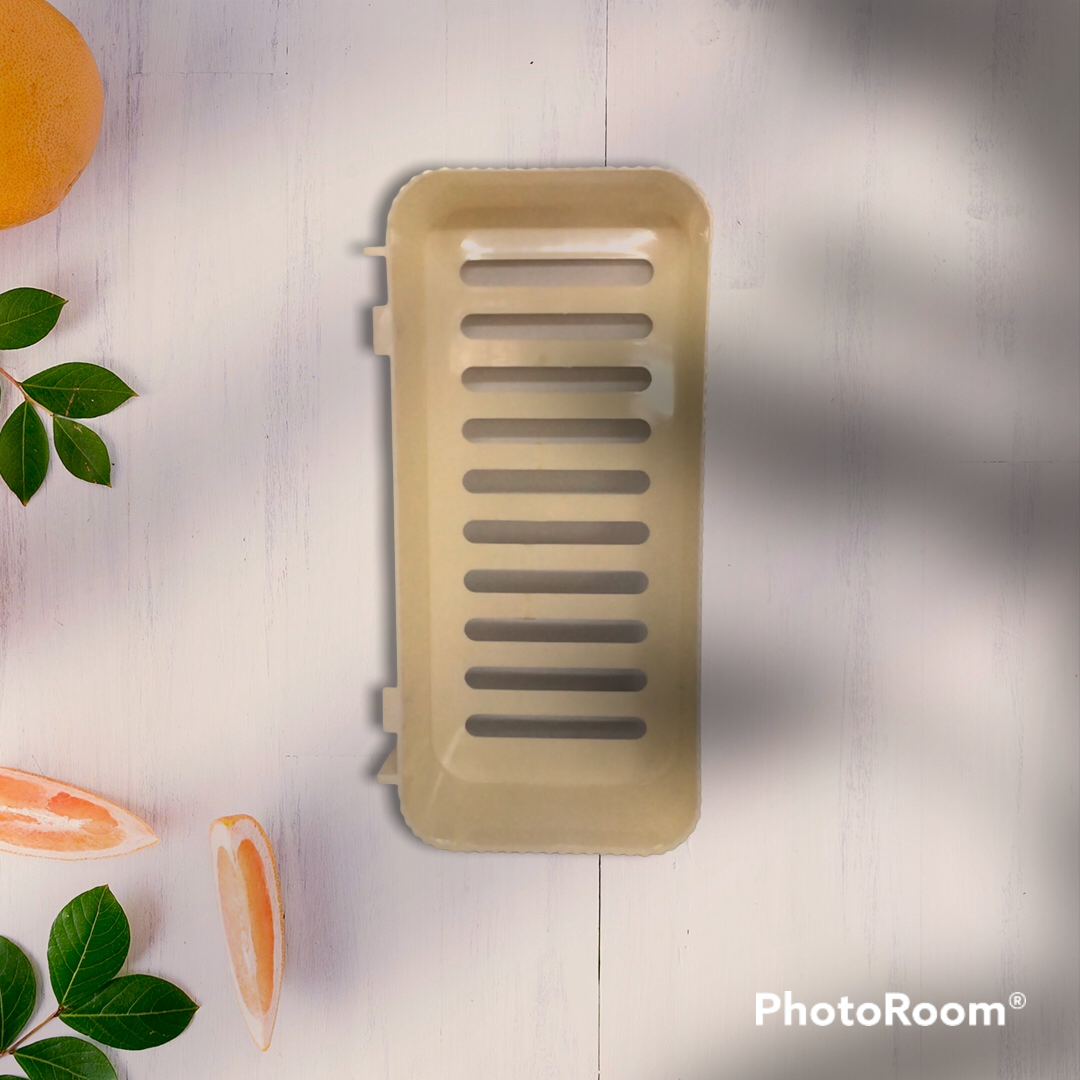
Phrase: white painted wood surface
(889, 712)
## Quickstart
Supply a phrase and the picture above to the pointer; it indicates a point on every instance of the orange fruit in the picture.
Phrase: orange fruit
(249, 893)
(44, 817)
(50, 109)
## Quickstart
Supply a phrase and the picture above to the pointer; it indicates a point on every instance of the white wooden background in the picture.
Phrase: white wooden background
(889, 709)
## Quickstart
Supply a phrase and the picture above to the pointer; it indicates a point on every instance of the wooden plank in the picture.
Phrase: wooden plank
(211, 635)
(889, 603)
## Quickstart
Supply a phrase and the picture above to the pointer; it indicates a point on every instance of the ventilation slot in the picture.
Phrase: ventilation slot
(556, 481)
(573, 273)
(616, 325)
(601, 680)
(557, 380)
(617, 582)
(616, 631)
(513, 430)
(556, 532)
(555, 727)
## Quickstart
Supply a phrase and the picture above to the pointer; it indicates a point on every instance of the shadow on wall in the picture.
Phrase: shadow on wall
(1030, 99)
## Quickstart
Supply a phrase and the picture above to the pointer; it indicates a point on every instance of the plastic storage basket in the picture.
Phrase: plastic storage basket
(547, 335)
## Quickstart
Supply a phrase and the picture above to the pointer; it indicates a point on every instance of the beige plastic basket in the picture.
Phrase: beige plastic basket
(547, 335)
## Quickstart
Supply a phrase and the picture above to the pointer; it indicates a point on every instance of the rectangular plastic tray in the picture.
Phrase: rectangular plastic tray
(547, 335)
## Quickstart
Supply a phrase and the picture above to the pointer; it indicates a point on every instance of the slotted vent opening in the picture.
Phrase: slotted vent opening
(492, 726)
(547, 273)
(615, 533)
(595, 326)
(617, 631)
(581, 582)
(526, 430)
(580, 379)
(556, 481)
(595, 680)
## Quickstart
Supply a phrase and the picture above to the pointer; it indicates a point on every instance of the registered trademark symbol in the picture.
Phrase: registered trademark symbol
(1017, 1000)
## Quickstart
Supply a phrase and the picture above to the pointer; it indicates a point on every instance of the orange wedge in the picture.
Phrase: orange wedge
(250, 896)
(44, 817)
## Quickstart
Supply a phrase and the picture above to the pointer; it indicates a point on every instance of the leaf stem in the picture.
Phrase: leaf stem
(11, 379)
(33, 1031)
(26, 397)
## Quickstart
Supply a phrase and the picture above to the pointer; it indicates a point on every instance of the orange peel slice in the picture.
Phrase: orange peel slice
(54, 820)
(249, 894)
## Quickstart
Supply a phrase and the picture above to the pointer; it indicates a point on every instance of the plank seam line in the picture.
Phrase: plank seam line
(599, 917)
(607, 54)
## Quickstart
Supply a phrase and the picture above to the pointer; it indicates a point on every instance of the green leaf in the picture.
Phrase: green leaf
(18, 991)
(81, 450)
(64, 1058)
(88, 944)
(132, 1013)
(26, 316)
(24, 451)
(78, 390)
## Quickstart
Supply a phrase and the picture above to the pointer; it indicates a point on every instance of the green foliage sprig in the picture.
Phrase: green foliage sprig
(88, 944)
(67, 392)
